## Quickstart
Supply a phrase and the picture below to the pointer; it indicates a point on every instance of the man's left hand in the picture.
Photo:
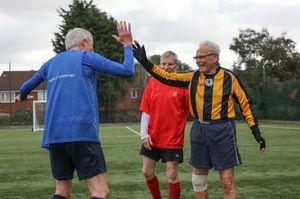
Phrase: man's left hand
(124, 33)
(139, 54)
(257, 135)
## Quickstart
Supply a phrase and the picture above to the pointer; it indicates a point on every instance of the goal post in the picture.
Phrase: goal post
(39, 109)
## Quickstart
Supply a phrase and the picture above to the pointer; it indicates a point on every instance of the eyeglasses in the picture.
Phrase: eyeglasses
(203, 56)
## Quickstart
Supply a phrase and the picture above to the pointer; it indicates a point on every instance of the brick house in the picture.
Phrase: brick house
(15, 79)
(10, 83)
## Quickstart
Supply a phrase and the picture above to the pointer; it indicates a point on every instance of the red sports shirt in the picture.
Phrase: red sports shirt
(167, 107)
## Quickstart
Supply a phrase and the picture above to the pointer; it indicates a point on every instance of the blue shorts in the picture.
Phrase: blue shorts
(213, 145)
(86, 157)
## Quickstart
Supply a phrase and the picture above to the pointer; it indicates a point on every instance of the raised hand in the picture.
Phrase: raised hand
(124, 33)
(139, 54)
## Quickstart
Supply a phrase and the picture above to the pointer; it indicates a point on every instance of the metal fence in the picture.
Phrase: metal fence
(277, 101)
(273, 101)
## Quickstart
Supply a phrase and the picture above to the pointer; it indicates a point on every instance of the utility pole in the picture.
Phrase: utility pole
(10, 100)
(264, 73)
(109, 100)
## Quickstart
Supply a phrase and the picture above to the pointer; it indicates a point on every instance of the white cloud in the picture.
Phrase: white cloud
(28, 25)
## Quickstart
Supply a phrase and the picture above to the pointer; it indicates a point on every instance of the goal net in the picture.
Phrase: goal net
(39, 108)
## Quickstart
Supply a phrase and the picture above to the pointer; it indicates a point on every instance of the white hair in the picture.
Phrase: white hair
(75, 36)
(214, 47)
(170, 54)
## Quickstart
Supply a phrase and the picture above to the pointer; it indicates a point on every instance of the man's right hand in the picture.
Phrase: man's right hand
(147, 142)
(29, 97)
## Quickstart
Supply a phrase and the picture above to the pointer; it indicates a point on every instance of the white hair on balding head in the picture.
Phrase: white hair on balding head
(170, 54)
(75, 36)
(213, 47)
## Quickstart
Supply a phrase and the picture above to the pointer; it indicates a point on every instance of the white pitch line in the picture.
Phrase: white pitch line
(280, 127)
(276, 127)
(134, 131)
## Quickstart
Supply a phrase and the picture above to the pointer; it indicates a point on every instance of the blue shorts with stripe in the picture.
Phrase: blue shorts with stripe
(214, 145)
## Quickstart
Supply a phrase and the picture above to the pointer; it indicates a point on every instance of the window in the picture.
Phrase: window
(42, 95)
(4, 97)
(133, 93)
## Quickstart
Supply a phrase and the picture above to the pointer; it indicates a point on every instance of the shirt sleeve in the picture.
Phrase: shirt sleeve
(104, 65)
(144, 125)
(180, 80)
(32, 83)
(145, 103)
(243, 99)
(187, 99)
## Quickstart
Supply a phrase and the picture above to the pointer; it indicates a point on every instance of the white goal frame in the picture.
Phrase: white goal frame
(37, 126)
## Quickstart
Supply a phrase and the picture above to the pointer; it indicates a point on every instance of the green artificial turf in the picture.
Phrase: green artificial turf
(25, 169)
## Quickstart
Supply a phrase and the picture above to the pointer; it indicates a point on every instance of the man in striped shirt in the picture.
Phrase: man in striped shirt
(212, 90)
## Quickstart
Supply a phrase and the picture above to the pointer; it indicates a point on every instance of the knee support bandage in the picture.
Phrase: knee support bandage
(199, 182)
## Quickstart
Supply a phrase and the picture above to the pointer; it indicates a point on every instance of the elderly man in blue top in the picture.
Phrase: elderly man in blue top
(71, 127)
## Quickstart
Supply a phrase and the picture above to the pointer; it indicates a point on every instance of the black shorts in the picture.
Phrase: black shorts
(86, 157)
(165, 155)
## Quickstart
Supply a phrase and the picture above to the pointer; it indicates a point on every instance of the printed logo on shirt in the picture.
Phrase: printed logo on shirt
(175, 93)
(61, 77)
(209, 82)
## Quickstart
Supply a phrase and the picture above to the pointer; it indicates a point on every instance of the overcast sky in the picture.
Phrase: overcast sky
(27, 26)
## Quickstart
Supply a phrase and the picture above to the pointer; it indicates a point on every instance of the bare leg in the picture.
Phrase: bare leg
(148, 168)
(171, 171)
(151, 179)
(63, 188)
(228, 183)
(172, 177)
(201, 194)
(98, 186)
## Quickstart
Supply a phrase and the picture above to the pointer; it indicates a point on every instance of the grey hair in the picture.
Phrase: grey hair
(170, 54)
(75, 36)
(214, 47)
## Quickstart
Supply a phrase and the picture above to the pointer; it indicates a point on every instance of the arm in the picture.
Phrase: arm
(247, 109)
(101, 64)
(242, 98)
(144, 125)
(172, 79)
(187, 99)
(145, 137)
(124, 34)
(145, 108)
(29, 85)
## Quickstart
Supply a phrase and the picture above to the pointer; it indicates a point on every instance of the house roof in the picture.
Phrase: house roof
(13, 80)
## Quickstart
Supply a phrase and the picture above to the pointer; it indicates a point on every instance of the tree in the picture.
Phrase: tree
(264, 57)
(85, 14)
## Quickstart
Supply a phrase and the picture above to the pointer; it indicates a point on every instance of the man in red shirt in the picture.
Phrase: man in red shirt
(164, 112)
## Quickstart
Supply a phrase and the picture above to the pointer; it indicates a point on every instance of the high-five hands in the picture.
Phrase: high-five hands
(139, 54)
